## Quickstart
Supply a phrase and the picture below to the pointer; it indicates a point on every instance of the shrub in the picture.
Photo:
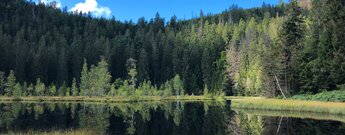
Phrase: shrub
(334, 96)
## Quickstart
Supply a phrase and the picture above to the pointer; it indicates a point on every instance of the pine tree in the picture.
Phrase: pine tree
(10, 84)
(17, 92)
(62, 90)
(74, 88)
(84, 80)
(25, 89)
(143, 66)
(206, 66)
(291, 36)
(68, 92)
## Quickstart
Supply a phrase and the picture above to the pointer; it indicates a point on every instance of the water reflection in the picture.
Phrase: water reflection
(180, 118)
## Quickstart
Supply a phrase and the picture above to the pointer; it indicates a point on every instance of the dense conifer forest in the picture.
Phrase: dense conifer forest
(285, 49)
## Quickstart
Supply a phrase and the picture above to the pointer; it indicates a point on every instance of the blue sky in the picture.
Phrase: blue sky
(134, 9)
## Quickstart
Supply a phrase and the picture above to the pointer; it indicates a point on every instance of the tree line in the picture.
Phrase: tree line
(270, 50)
(40, 41)
(95, 81)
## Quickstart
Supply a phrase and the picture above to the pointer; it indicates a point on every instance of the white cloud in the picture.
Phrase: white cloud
(93, 7)
(47, 2)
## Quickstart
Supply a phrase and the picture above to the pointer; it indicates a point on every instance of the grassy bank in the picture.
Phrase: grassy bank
(335, 108)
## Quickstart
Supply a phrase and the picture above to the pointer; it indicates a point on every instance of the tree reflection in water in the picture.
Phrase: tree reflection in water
(180, 118)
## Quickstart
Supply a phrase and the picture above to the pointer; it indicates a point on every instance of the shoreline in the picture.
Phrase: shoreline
(105, 99)
(254, 103)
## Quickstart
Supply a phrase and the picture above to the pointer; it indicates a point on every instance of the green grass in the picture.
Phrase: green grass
(335, 108)
(334, 96)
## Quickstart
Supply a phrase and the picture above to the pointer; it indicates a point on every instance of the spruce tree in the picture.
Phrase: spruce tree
(17, 90)
(84, 80)
(291, 37)
(74, 88)
(10, 84)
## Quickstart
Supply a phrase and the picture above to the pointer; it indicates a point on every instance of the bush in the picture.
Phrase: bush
(334, 96)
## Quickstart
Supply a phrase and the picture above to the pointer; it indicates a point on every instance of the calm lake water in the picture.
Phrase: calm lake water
(162, 118)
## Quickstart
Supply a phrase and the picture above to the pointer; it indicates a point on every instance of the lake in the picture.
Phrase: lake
(161, 118)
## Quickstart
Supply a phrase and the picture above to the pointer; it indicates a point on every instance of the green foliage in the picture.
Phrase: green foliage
(250, 125)
(10, 84)
(113, 90)
(96, 81)
(251, 58)
(25, 89)
(146, 88)
(125, 89)
(333, 96)
(132, 72)
(206, 93)
(324, 54)
(56, 55)
(177, 86)
(74, 89)
(18, 90)
(304, 48)
(291, 38)
(39, 87)
(68, 92)
(84, 84)
(52, 90)
(30, 90)
(167, 89)
(101, 77)
(2, 82)
(62, 90)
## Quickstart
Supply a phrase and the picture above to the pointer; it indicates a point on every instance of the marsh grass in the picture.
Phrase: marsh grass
(335, 108)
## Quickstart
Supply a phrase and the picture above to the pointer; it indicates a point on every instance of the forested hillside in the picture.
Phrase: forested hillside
(257, 51)
(302, 51)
